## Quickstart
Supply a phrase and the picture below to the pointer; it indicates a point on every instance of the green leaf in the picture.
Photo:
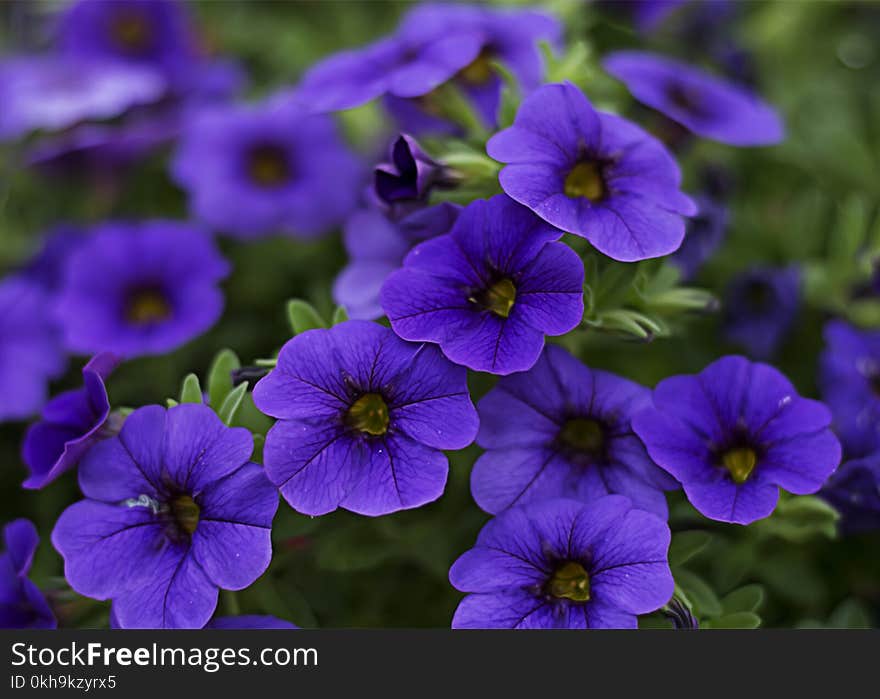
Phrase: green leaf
(746, 599)
(798, 519)
(249, 416)
(302, 316)
(229, 408)
(340, 315)
(683, 298)
(850, 614)
(737, 620)
(170, 403)
(703, 599)
(220, 376)
(259, 443)
(510, 95)
(633, 323)
(686, 545)
(191, 391)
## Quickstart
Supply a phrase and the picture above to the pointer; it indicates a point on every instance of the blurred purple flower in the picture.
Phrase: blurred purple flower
(734, 434)
(269, 169)
(760, 307)
(849, 380)
(174, 510)
(155, 34)
(140, 288)
(410, 63)
(22, 605)
(709, 106)
(71, 423)
(435, 43)
(489, 291)
(703, 236)
(854, 491)
(562, 429)
(50, 93)
(362, 418)
(511, 37)
(592, 174)
(30, 347)
(561, 564)
(376, 247)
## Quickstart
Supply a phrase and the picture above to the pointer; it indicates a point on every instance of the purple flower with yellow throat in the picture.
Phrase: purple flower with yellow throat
(362, 419)
(563, 429)
(489, 291)
(736, 433)
(562, 564)
(592, 174)
(174, 509)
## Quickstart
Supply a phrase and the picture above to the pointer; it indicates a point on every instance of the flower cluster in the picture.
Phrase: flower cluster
(494, 220)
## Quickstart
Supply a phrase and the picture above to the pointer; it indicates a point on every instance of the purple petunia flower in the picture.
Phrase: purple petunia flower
(363, 416)
(267, 169)
(30, 347)
(141, 288)
(174, 510)
(560, 564)
(489, 291)
(22, 605)
(850, 384)
(854, 491)
(249, 621)
(376, 247)
(145, 33)
(709, 106)
(592, 174)
(72, 422)
(734, 434)
(49, 93)
(411, 63)
(511, 37)
(562, 429)
(760, 307)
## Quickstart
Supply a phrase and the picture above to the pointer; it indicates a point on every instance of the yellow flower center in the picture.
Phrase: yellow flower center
(186, 513)
(479, 71)
(585, 180)
(570, 581)
(498, 298)
(147, 306)
(740, 462)
(369, 414)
